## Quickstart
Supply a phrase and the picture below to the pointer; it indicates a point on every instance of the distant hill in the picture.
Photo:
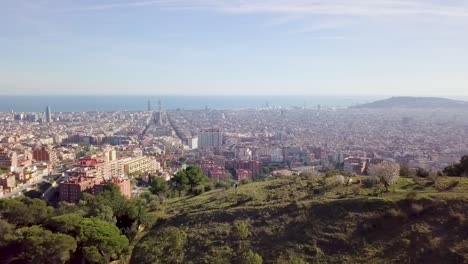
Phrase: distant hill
(416, 102)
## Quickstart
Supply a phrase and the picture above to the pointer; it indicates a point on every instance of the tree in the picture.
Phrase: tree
(457, 169)
(66, 224)
(108, 201)
(6, 232)
(180, 181)
(158, 185)
(25, 212)
(105, 237)
(103, 212)
(464, 164)
(195, 176)
(386, 172)
(42, 246)
(453, 170)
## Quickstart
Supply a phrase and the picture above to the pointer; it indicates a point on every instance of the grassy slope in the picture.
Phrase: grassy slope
(313, 220)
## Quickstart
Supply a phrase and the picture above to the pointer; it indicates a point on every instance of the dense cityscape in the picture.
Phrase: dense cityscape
(233, 131)
(78, 152)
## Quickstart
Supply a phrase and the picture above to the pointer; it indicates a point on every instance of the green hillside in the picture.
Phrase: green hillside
(314, 219)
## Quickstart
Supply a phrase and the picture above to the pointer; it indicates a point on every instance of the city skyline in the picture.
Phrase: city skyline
(181, 47)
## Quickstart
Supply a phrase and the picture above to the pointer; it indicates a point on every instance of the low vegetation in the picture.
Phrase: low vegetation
(314, 219)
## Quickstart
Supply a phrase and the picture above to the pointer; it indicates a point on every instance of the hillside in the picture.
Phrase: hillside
(313, 219)
(416, 102)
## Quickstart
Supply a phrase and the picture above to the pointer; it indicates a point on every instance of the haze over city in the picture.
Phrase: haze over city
(233, 131)
(182, 47)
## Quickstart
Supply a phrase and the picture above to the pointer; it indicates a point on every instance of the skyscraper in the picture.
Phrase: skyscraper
(149, 105)
(211, 138)
(48, 114)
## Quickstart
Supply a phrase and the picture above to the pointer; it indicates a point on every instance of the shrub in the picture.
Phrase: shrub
(420, 172)
(153, 205)
(220, 255)
(370, 182)
(251, 257)
(340, 180)
(208, 187)
(396, 213)
(291, 259)
(356, 189)
(198, 190)
(404, 170)
(448, 187)
(223, 185)
(241, 228)
(166, 246)
(411, 195)
(434, 243)
(457, 217)
(245, 181)
(416, 208)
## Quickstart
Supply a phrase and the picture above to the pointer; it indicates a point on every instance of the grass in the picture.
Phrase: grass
(315, 220)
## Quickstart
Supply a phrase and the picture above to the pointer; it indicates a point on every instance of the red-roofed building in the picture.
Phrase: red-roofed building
(254, 166)
(72, 190)
(243, 174)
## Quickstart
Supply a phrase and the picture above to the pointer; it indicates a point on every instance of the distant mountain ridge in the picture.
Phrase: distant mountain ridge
(416, 102)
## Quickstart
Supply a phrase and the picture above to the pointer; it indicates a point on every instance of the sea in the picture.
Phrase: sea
(138, 103)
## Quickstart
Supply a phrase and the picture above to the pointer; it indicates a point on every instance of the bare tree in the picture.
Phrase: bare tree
(387, 172)
(340, 179)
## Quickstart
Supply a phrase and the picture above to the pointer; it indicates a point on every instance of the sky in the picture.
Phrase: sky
(234, 47)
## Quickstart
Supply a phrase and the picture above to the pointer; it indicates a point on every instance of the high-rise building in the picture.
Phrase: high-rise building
(160, 106)
(193, 143)
(149, 105)
(46, 154)
(211, 138)
(48, 114)
(8, 159)
(140, 165)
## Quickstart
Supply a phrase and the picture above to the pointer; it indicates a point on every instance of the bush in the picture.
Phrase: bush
(223, 185)
(420, 172)
(220, 255)
(396, 213)
(356, 189)
(208, 187)
(198, 190)
(241, 228)
(411, 195)
(447, 187)
(459, 218)
(166, 246)
(370, 182)
(251, 257)
(340, 180)
(245, 181)
(153, 205)
(291, 259)
(416, 208)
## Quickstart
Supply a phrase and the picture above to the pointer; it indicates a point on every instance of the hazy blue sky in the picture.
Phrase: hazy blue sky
(385, 47)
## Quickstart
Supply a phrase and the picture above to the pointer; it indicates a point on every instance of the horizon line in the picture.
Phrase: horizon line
(231, 95)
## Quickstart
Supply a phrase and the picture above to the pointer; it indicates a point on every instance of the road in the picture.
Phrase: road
(19, 191)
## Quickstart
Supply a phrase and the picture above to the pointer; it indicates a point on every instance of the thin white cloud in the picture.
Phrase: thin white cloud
(295, 7)
(323, 25)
